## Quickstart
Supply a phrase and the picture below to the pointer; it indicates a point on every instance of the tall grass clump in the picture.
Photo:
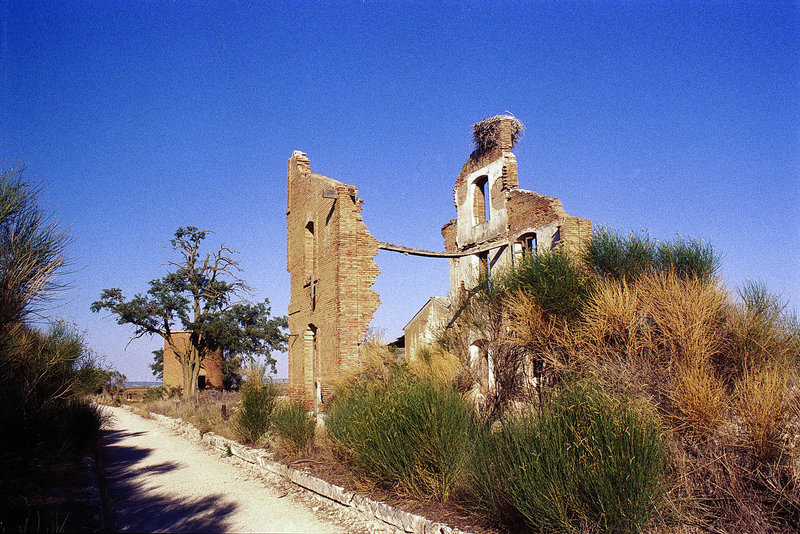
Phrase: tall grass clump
(764, 400)
(433, 363)
(32, 251)
(762, 330)
(294, 427)
(609, 255)
(253, 419)
(588, 462)
(406, 430)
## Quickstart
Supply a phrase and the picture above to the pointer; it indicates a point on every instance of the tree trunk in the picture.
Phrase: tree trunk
(188, 383)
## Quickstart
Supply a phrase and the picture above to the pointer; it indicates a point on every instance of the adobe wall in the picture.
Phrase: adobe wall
(330, 260)
(211, 367)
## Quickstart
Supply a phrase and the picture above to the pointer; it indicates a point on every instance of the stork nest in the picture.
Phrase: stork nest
(486, 133)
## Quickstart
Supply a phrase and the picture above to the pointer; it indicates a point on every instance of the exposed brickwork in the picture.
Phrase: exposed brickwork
(330, 260)
(514, 213)
(330, 253)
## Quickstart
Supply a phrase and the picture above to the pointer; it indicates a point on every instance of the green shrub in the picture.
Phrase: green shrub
(294, 427)
(486, 492)
(253, 420)
(153, 394)
(405, 430)
(587, 462)
(610, 255)
(84, 420)
(552, 278)
(687, 259)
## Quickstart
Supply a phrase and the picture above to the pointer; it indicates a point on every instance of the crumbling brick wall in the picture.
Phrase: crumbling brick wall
(516, 217)
(330, 260)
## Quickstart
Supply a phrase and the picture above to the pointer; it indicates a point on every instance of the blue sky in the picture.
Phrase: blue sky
(139, 117)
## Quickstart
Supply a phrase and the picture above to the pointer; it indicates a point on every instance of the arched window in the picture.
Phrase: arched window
(480, 200)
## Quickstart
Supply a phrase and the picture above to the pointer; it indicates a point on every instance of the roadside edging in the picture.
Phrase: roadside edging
(95, 501)
(405, 521)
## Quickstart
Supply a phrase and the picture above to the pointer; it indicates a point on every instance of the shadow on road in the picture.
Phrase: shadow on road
(133, 507)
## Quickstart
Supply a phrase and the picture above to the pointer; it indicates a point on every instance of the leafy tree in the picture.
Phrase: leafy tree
(200, 296)
(157, 367)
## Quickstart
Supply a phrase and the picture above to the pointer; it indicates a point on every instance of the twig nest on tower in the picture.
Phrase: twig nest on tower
(488, 133)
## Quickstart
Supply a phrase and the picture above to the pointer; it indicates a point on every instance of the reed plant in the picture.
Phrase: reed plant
(588, 462)
(408, 431)
(258, 396)
(294, 427)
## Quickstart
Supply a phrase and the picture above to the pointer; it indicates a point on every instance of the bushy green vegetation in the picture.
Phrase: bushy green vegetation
(587, 461)
(294, 427)
(610, 255)
(405, 430)
(254, 417)
(554, 279)
(44, 374)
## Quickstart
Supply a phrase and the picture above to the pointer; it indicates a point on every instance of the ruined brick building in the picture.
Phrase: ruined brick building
(210, 369)
(330, 255)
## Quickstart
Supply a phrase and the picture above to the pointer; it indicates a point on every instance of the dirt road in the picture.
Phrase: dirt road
(159, 481)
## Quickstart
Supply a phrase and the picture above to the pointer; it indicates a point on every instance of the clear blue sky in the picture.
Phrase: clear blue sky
(140, 117)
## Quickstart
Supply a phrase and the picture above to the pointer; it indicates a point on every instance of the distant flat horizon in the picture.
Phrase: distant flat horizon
(140, 383)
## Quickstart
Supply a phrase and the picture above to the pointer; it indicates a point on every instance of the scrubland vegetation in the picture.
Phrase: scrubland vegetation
(630, 392)
(46, 374)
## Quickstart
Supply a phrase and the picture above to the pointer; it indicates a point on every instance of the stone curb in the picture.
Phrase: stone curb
(405, 521)
(95, 498)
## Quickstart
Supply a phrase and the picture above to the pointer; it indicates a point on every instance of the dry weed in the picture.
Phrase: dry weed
(687, 316)
(614, 321)
(437, 365)
(699, 398)
(764, 401)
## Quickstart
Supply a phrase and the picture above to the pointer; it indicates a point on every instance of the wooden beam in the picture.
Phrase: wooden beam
(383, 245)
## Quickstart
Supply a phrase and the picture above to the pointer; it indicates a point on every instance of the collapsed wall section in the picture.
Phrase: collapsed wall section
(497, 223)
(330, 260)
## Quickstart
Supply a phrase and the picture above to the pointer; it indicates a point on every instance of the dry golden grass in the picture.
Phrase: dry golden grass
(760, 332)
(435, 364)
(698, 397)
(551, 339)
(764, 400)
(376, 358)
(686, 316)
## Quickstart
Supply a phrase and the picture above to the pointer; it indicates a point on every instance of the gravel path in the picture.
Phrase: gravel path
(161, 482)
